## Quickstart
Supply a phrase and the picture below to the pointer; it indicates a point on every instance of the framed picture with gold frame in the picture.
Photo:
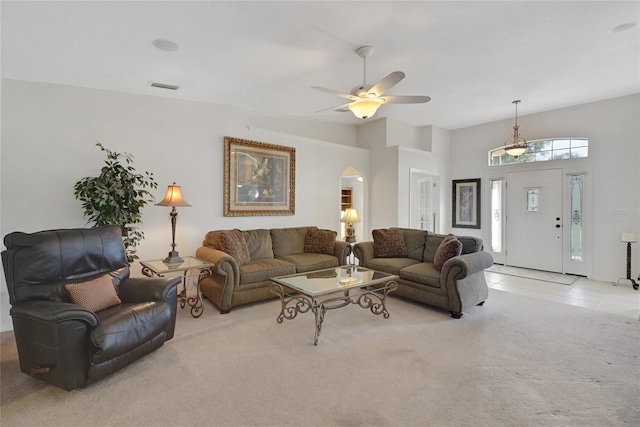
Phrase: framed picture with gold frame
(465, 203)
(259, 178)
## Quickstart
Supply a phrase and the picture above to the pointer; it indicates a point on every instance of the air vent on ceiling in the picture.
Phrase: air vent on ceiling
(164, 86)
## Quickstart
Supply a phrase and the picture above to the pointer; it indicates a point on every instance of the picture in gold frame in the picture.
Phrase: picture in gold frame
(259, 178)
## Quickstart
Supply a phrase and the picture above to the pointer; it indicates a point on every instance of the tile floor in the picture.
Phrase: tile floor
(602, 296)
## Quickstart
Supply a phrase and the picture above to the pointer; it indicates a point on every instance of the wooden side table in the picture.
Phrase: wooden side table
(159, 268)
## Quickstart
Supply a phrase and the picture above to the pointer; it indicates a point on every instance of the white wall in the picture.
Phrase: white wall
(613, 129)
(396, 148)
(49, 134)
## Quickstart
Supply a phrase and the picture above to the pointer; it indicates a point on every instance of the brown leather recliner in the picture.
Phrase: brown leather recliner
(66, 344)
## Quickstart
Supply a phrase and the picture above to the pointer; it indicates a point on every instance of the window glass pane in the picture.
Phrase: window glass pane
(496, 216)
(541, 145)
(576, 182)
(561, 154)
(532, 200)
(543, 156)
(579, 143)
(580, 152)
(559, 144)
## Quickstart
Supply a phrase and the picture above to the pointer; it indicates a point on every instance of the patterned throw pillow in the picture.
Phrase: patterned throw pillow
(449, 247)
(320, 241)
(389, 243)
(94, 295)
(233, 243)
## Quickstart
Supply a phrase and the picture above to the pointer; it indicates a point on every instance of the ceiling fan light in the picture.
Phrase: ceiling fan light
(365, 108)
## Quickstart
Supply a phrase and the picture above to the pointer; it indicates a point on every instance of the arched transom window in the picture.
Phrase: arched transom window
(542, 150)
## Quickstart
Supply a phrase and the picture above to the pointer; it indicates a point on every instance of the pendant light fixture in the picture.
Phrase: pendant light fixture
(517, 145)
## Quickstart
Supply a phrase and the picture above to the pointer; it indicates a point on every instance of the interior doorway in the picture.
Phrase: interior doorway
(352, 196)
(424, 201)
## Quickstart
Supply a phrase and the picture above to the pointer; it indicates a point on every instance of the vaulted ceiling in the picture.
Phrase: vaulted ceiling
(472, 58)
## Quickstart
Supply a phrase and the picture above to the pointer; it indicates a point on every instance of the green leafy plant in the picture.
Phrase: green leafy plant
(117, 197)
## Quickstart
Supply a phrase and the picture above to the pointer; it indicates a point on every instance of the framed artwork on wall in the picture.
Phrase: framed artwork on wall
(259, 178)
(465, 197)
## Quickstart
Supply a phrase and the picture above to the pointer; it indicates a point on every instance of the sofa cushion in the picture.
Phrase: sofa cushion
(414, 240)
(126, 326)
(320, 241)
(431, 246)
(211, 239)
(287, 241)
(449, 248)
(390, 265)
(259, 243)
(470, 244)
(95, 295)
(261, 270)
(309, 262)
(233, 243)
(422, 272)
(389, 243)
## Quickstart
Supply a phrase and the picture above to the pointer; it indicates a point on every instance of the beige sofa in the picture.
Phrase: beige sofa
(239, 279)
(459, 285)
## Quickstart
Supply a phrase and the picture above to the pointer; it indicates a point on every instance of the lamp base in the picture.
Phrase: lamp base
(350, 234)
(173, 258)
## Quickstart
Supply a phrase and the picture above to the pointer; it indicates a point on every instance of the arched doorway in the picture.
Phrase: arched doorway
(352, 196)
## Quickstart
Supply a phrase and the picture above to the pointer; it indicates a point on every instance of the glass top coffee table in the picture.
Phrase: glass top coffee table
(316, 291)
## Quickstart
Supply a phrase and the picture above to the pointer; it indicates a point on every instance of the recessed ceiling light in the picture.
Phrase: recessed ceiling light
(622, 27)
(166, 45)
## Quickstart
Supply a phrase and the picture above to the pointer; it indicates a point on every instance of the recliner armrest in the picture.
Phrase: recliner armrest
(54, 312)
(142, 289)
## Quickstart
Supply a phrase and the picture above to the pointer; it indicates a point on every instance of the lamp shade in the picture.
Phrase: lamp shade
(629, 237)
(350, 216)
(515, 150)
(364, 108)
(173, 197)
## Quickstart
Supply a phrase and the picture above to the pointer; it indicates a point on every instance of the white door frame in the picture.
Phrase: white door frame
(569, 167)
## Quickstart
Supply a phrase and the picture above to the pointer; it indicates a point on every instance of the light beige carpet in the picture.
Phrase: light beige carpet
(545, 276)
(516, 361)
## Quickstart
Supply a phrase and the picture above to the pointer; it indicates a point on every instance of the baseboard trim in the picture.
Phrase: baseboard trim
(7, 337)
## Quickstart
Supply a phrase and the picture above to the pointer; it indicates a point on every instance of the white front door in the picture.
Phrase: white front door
(534, 220)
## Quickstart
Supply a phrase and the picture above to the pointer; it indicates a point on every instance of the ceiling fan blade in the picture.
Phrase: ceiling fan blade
(341, 108)
(405, 99)
(335, 92)
(385, 84)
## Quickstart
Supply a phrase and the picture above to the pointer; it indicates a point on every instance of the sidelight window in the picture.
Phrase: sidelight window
(496, 215)
(576, 229)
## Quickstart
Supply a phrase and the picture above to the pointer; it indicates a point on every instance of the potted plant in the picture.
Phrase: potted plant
(117, 197)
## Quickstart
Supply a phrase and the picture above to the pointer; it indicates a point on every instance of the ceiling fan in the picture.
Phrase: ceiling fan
(367, 98)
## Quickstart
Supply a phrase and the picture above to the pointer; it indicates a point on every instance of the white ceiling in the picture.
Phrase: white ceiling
(473, 58)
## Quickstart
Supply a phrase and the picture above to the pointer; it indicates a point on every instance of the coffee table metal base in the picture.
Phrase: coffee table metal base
(373, 298)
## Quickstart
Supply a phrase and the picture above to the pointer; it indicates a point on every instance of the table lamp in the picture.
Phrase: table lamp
(349, 217)
(173, 198)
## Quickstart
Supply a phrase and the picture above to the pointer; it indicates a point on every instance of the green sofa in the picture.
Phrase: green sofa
(273, 252)
(459, 285)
